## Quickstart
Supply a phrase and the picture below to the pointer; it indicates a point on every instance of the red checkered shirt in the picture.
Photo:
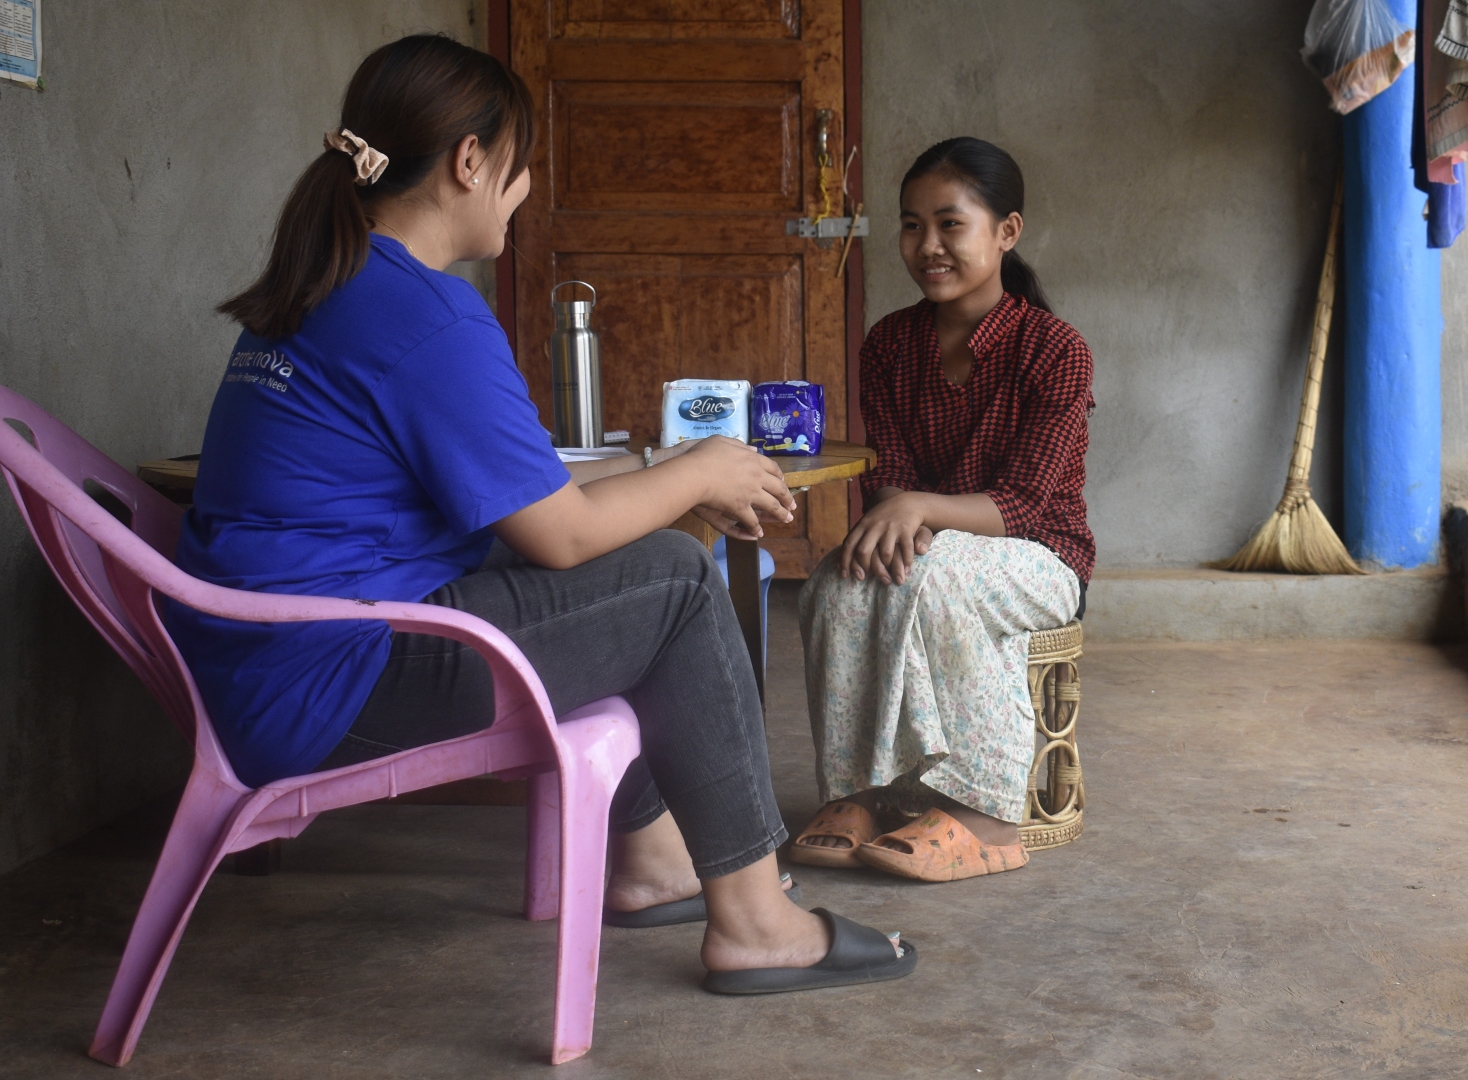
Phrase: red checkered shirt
(1015, 431)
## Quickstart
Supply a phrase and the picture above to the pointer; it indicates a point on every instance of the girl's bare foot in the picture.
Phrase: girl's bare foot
(988, 830)
(867, 800)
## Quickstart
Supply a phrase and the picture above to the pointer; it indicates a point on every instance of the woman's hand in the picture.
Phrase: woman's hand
(725, 524)
(889, 536)
(581, 522)
(748, 488)
(728, 526)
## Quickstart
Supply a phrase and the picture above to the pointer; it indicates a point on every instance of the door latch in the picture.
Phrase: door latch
(831, 228)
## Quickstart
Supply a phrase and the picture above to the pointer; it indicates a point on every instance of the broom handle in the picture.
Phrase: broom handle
(1297, 486)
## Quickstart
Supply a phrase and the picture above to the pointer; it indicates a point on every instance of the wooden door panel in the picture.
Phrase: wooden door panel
(684, 233)
(676, 18)
(636, 318)
(662, 318)
(678, 143)
(677, 146)
(674, 61)
(742, 317)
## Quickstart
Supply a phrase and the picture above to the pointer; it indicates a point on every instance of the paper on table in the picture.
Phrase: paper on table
(591, 453)
(20, 41)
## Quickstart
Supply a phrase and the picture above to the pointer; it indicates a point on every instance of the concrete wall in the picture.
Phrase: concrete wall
(136, 192)
(1179, 163)
(1455, 373)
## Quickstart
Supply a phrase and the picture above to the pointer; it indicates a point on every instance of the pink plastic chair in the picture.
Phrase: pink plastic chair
(112, 569)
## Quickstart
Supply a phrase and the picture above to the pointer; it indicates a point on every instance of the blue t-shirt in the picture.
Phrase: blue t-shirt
(363, 457)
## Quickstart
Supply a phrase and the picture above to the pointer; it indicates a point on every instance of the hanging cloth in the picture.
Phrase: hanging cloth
(1447, 210)
(1444, 77)
(1440, 117)
(1452, 41)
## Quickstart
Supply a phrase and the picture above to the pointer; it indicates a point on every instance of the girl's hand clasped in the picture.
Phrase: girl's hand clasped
(886, 541)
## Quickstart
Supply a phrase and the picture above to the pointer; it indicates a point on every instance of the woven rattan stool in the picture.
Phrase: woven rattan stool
(1056, 795)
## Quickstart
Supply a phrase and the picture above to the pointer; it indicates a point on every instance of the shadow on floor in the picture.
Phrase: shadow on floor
(1271, 884)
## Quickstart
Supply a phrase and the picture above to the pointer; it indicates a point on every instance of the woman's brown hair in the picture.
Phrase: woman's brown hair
(413, 100)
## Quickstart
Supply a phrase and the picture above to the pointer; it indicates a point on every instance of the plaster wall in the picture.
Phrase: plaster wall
(1455, 373)
(137, 191)
(1179, 163)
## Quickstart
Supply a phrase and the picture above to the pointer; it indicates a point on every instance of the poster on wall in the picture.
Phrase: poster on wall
(20, 41)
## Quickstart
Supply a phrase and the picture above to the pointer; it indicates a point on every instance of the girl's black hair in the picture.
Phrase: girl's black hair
(995, 179)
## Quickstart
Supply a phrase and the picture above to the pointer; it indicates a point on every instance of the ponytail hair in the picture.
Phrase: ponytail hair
(994, 178)
(412, 100)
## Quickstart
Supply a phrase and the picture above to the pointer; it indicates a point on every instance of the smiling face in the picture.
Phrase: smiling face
(950, 240)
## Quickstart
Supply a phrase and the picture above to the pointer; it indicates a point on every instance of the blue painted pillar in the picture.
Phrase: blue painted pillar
(1393, 344)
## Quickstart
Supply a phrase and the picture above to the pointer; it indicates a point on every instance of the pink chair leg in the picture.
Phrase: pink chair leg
(592, 767)
(543, 846)
(190, 855)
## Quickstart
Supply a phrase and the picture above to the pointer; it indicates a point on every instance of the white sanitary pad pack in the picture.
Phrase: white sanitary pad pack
(698, 408)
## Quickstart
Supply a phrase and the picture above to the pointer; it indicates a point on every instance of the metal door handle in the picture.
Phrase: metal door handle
(823, 138)
(831, 228)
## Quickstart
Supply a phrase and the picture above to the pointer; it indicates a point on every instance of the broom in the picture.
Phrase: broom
(1297, 538)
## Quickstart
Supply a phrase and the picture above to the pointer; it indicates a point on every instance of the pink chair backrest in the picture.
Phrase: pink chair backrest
(112, 569)
(78, 561)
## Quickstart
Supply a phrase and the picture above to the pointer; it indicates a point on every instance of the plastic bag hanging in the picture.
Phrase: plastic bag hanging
(1358, 49)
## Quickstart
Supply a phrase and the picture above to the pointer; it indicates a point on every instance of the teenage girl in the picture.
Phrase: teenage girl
(373, 438)
(917, 629)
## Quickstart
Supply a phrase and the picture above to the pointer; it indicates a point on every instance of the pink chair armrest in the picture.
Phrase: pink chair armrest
(126, 548)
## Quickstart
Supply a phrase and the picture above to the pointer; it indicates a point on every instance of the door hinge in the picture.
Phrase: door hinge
(831, 228)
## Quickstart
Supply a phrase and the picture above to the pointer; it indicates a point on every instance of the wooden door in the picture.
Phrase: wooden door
(678, 140)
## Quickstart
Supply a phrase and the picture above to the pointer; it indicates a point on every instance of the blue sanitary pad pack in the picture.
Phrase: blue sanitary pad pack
(788, 417)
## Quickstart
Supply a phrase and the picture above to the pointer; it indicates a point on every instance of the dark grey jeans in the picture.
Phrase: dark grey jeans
(652, 622)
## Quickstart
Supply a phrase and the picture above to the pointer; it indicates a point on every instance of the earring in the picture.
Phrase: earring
(476, 179)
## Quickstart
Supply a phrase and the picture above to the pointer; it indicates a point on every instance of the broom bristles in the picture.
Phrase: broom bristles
(1297, 539)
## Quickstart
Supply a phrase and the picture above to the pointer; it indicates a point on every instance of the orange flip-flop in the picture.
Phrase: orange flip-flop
(845, 820)
(937, 847)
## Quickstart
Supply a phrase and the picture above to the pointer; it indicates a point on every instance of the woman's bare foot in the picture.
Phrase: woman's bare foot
(651, 866)
(752, 925)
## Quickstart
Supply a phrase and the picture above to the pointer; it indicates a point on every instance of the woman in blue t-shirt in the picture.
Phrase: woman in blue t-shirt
(373, 439)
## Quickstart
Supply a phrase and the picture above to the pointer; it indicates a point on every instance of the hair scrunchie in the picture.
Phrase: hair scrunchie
(370, 163)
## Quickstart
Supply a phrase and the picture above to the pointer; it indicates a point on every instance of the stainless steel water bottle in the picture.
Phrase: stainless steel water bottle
(575, 372)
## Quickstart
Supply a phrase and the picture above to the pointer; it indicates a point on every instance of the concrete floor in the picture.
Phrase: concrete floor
(1270, 885)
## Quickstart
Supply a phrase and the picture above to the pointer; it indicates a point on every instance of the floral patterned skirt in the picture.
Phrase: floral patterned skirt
(928, 679)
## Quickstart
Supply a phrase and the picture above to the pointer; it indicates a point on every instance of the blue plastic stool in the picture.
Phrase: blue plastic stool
(766, 572)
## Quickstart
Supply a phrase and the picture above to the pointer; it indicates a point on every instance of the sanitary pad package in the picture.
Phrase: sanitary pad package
(698, 408)
(788, 417)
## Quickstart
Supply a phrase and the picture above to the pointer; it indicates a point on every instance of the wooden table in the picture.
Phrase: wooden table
(174, 477)
(838, 461)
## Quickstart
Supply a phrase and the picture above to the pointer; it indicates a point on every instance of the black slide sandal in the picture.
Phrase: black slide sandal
(671, 914)
(858, 955)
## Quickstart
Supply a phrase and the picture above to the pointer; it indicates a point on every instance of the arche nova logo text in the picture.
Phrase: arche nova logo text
(269, 369)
